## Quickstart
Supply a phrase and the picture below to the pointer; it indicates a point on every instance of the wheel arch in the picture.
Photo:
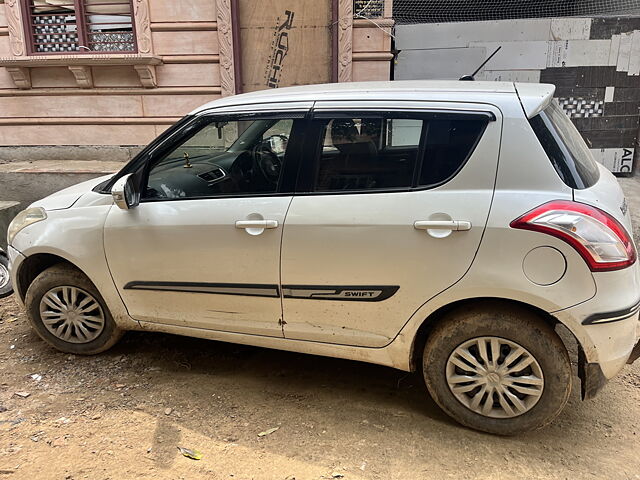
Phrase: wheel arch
(420, 338)
(34, 265)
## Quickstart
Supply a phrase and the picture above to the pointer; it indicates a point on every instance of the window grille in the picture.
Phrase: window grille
(368, 8)
(80, 26)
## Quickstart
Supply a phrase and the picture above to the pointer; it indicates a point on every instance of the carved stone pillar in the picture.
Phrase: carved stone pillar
(345, 40)
(143, 25)
(388, 8)
(225, 42)
(14, 23)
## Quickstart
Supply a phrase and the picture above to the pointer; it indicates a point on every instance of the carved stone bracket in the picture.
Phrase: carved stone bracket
(147, 75)
(345, 40)
(225, 41)
(143, 25)
(14, 25)
(83, 75)
(21, 76)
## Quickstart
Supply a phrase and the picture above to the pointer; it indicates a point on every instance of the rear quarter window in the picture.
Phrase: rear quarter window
(449, 143)
(565, 147)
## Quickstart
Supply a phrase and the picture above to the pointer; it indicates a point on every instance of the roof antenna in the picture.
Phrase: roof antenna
(471, 77)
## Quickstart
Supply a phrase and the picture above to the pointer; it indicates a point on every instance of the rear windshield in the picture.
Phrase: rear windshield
(565, 147)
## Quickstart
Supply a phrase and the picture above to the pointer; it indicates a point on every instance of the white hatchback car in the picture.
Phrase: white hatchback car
(447, 227)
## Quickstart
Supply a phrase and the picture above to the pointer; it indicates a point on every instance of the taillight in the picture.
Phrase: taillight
(598, 237)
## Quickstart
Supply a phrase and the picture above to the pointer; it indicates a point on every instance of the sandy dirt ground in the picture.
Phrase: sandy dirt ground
(122, 415)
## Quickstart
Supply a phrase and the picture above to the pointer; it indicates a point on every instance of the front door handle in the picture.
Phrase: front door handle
(257, 224)
(454, 225)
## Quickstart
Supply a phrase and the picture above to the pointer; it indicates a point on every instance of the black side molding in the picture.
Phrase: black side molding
(246, 289)
(359, 293)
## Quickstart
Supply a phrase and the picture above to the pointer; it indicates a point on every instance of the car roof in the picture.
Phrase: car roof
(376, 91)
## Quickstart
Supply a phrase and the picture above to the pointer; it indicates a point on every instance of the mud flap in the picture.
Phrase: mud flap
(591, 377)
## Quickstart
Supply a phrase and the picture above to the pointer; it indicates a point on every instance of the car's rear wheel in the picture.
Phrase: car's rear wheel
(5, 280)
(68, 312)
(497, 369)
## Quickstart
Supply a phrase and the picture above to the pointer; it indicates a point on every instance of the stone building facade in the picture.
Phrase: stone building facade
(110, 75)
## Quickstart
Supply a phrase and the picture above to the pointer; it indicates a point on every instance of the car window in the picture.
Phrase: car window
(387, 152)
(362, 153)
(565, 147)
(223, 157)
(449, 142)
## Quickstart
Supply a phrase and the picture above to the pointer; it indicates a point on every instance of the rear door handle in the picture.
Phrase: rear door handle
(258, 224)
(455, 225)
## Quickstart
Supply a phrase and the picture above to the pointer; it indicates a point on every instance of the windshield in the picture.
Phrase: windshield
(565, 147)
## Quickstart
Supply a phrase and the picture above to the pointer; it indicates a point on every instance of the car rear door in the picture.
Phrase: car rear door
(390, 210)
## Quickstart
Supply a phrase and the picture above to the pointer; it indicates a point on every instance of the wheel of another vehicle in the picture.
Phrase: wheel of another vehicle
(5, 280)
(67, 311)
(497, 368)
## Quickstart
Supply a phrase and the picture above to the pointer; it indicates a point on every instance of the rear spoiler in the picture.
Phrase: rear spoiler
(534, 97)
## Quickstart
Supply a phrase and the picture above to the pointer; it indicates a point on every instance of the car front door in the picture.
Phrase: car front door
(390, 212)
(202, 249)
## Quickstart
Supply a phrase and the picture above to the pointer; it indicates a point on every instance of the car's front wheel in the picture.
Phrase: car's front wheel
(67, 311)
(498, 369)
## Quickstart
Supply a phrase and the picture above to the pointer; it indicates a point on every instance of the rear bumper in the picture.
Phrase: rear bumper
(615, 344)
(606, 326)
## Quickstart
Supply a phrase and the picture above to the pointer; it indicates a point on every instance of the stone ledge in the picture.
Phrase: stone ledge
(64, 153)
(80, 66)
(27, 182)
(62, 166)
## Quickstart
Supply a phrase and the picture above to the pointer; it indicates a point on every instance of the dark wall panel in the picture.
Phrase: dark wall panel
(610, 138)
(605, 27)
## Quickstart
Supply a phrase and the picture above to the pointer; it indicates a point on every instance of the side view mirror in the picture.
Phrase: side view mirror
(125, 192)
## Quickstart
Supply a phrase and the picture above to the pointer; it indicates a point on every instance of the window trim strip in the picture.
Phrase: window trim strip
(424, 114)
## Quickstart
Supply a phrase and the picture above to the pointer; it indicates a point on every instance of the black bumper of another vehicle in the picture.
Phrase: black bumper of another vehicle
(635, 354)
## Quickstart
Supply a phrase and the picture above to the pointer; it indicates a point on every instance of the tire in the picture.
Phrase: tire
(5, 282)
(61, 281)
(542, 388)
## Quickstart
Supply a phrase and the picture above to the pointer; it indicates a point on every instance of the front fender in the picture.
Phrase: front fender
(75, 235)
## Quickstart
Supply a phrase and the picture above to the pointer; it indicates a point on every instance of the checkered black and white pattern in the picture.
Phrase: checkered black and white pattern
(55, 33)
(581, 108)
(368, 8)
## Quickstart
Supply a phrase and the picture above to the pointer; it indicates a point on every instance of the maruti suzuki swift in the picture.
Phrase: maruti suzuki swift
(451, 228)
